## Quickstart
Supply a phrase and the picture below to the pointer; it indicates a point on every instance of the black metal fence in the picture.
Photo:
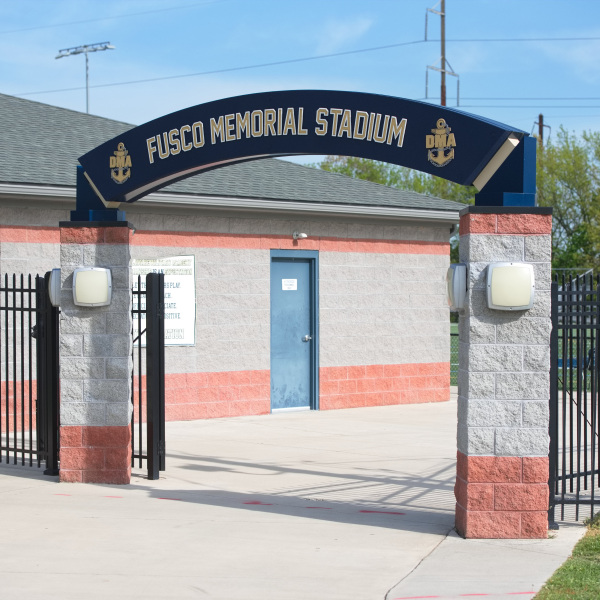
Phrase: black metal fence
(574, 380)
(148, 379)
(29, 358)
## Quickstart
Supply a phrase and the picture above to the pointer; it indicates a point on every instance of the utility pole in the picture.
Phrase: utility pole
(443, 40)
(445, 68)
(85, 49)
(540, 124)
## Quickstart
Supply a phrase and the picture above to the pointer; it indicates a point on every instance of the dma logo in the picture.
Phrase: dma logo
(120, 164)
(440, 144)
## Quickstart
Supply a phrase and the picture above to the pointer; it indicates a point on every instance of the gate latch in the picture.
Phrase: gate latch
(307, 338)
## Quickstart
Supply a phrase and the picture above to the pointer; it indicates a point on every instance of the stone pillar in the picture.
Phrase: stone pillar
(95, 359)
(503, 383)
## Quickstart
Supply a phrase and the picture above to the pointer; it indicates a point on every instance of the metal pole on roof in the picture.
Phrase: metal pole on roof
(85, 49)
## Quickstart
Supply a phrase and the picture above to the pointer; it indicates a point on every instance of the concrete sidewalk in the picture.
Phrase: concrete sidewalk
(300, 506)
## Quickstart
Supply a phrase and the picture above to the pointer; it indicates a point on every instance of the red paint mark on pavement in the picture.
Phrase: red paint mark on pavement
(258, 502)
(62, 494)
(389, 512)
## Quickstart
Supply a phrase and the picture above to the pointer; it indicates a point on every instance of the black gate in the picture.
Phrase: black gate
(574, 415)
(29, 419)
(148, 379)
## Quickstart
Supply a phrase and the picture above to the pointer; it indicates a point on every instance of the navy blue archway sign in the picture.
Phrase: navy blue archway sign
(495, 158)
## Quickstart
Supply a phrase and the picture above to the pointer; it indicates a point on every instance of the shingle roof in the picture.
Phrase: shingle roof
(40, 145)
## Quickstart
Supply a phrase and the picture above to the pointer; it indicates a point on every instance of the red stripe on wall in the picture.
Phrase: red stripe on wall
(29, 234)
(192, 239)
(191, 396)
(383, 385)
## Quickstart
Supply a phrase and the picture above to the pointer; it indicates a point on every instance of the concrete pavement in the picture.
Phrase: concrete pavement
(292, 506)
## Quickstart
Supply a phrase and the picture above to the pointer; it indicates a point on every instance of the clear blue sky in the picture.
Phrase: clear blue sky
(509, 81)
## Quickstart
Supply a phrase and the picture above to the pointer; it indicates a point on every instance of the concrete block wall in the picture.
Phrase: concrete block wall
(503, 381)
(95, 359)
(383, 315)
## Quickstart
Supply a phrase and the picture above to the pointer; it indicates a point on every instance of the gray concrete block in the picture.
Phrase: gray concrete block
(106, 390)
(84, 413)
(536, 414)
(536, 358)
(71, 391)
(524, 331)
(71, 255)
(538, 248)
(479, 332)
(480, 386)
(106, 255)
(121, 278)
(88, 323)
(493, 358)
(477, 275)
(522, 386)
(495, 248)
(81, 368)
(475, 441)
(489, 413)
(118, 322)
(543, 275)
(118, 414)
(522, 442)
(107, 345)
(71, 344)
(120, 368)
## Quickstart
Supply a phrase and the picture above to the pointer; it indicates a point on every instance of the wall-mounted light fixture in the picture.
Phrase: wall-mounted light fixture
(299, 236)
(456, 282)
(510, 286)
(92, 286)
(54, 287)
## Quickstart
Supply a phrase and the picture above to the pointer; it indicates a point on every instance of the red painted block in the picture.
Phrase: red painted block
(117, 235)
(106, 437)
(69, 476)
(534, 525)
(71, 436)
(192, 412)
(489, 469)
(346, 386)
(520, 496)
(43, 235)
(535, 469)
(82, 235)
(474, 496)
(115, 477)
(525, 224)
(218, 379)
(327, 387)
(197, 380)
(356, 372)
(81, 458)
(477, 223)
(261, 377)
(374, 371)
(117, 458)
(488, 524)
(217, 410)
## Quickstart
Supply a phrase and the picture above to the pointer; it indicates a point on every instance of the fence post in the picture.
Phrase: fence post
(553, 424)
(155, 373)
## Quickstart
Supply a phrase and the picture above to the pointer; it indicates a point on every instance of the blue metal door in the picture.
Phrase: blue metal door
(293, 333)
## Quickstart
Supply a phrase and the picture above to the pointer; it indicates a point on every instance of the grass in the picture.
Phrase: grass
(579, 577)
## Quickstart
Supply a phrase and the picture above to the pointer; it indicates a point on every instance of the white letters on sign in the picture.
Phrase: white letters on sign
(289, 285)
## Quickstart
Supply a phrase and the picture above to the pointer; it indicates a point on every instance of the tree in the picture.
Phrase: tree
(568, 180)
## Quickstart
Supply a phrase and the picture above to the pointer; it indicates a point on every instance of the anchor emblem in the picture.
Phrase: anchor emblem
(440, 145)
(120, 164)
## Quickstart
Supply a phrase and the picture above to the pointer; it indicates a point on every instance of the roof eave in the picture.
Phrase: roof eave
(158, 199)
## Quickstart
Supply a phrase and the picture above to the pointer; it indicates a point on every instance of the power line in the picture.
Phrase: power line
(230, 69)
(136, 14)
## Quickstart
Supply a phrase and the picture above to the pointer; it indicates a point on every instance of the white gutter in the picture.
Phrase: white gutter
(189, 200)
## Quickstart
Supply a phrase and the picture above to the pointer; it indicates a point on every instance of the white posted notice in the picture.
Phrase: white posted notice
(180, 296)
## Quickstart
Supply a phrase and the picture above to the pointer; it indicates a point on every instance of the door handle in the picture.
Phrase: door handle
(307, 338)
